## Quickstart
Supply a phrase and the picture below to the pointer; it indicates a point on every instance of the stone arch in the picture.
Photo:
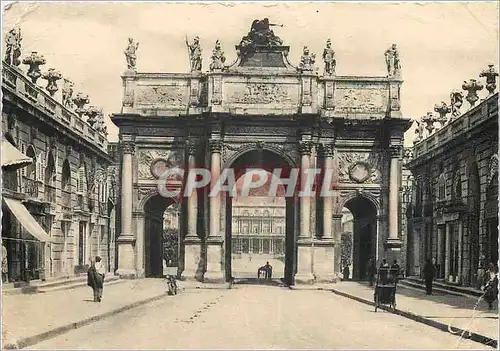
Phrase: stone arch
(268, 157)
(265, 147)
(145, 194)
(353, 194)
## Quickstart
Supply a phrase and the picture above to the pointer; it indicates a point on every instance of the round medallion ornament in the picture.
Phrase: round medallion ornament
(159, 166)
(359, 172)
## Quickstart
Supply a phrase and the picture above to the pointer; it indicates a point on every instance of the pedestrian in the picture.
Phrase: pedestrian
(384, 264)
(269, 270)
(395, 270)
(346, 272)
(491, 287)
(5, 268)
(371, 270)
(429, 273)
(95, 278)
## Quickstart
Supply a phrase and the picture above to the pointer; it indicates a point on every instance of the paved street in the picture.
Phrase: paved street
(251, 317)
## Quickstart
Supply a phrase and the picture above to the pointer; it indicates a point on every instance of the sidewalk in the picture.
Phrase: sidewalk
(439, 310)
(28, 319)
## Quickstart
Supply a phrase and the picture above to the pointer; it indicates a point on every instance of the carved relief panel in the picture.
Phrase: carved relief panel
(153, 163)
(162, 96)
(361, 100)
(359, 167)
(262, 93)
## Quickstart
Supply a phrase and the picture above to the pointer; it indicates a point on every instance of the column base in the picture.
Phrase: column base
(324, 260)
(215, 272)
(305, 278)
(393, 244)
(126, 273)
(193, 265)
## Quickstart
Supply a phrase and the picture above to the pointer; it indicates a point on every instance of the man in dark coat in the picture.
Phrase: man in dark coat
(429, 273)
(371, 270)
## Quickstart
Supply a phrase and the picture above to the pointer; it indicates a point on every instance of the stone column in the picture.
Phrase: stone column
(192, 242)
(460, 249)
(448, 252)
(305, 201)
(215, 241)
(439, 256)
(126, 240)
(305, 240)
(324, 249)
(327, 200)
(337, 235)
(393, 240)
(139, 244)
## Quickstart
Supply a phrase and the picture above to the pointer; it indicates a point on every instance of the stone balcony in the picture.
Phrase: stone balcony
(259, 92)
(16, 82)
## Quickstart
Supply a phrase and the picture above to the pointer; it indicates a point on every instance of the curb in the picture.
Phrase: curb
(485, 340)
(35, 339)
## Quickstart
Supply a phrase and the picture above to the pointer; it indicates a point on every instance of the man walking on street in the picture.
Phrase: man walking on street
(95, 278)
(371, 270)
(429, 273)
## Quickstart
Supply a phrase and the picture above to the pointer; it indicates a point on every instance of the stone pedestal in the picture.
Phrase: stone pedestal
(126, 256)
(193, 268)
(324, 258)
(215, 271)
(304, 273)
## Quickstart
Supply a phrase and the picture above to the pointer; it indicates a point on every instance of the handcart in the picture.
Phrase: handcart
(385, 287)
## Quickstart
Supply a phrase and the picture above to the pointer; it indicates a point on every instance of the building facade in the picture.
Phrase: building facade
(453, 212)
(261, 110)
(55, 210)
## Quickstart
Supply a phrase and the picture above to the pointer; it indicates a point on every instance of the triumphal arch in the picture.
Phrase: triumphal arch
(260, 110)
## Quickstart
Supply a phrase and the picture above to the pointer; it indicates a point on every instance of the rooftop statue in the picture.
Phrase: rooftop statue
(13, 47)
(218, 58)
(392, 61)
(329, 59)
(260, 35)
(307, 60)
(194, 54)
(130, 54)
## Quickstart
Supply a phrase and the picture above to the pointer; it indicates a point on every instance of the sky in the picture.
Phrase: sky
(440, 44)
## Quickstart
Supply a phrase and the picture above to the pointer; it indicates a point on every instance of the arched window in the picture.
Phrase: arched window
(50, 170)
(66, 176)
(31, 168)
(66, 184)
(442, 187)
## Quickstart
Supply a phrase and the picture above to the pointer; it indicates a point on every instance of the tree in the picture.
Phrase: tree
(170, 246)
(346, 249)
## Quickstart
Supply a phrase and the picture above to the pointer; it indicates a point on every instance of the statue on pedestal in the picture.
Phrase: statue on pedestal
(260, 35)
(307, 60)
(67, 93)
(456, 101)
(392, 61)
(329, 59)
(217, 58)
(130, 54)
(13, 47)
(195, 54)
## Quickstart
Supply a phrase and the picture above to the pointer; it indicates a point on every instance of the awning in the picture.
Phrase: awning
(27, 220)
(12, 157)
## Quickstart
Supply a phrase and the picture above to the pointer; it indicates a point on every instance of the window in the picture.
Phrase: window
(31, 169)
(80, 182)
(442, 187)
(457, 186)
(66, 176)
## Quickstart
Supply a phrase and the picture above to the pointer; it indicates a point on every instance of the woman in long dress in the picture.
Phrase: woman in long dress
(491, 287)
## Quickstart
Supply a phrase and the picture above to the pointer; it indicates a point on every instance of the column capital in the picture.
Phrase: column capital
(215, 145)
(127, 147)
(395, 151)
(305, 147)
(326, 150)
(191, 146)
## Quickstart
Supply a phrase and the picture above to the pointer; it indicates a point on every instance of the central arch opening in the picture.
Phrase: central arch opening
(260, 224)
(361, 214)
